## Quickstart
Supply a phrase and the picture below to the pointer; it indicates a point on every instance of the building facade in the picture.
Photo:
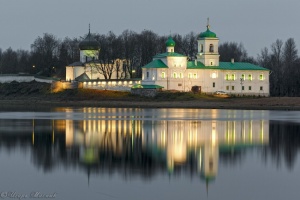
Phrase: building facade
(173, 71)
(89, 67)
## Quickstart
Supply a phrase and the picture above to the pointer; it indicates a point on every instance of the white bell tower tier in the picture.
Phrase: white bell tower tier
(208, 44)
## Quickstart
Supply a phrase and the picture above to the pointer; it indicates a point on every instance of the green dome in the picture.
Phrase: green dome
(207, 34)
(89, 43)
(170, 42)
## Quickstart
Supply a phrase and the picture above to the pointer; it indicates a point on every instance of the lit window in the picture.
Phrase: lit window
(233, 77)
(214, 75)
(261, 77)
(250, 77)
(243, 76)
(227, 77)
(174, 75)
(163, 75)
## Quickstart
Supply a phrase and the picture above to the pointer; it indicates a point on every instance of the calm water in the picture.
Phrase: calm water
(112, 154)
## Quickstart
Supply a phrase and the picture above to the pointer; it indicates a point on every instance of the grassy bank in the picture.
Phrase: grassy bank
(35, 94)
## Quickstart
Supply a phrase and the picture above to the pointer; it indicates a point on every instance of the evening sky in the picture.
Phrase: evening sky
(256, 23)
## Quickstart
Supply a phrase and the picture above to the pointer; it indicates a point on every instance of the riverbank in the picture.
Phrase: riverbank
(271, 103)
(33, 94)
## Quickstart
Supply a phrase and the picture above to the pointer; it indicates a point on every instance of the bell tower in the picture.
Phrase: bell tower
(208, 44)
(89, 48)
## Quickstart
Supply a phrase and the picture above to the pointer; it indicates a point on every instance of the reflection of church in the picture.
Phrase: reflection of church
(174, 142)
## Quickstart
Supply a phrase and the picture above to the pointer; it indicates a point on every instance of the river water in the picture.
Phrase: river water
(133, 154)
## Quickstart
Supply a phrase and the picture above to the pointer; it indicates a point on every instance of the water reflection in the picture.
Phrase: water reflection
(139, 142)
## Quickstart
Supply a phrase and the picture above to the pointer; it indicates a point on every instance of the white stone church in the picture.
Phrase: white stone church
(173, 71)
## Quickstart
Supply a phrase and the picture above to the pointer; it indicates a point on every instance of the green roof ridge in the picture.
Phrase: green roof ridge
(156, 64)
(169, 54)
(226, 66)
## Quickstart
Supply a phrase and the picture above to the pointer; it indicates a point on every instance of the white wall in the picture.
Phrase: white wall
(119, 85)
(206, 77)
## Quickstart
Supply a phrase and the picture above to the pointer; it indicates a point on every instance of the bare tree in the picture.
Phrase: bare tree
(229, 50)
(290, 59)
(47, 47)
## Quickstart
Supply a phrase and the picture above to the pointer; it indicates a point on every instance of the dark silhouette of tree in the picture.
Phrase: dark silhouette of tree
(229, 50)
(47, 47)
(9, 62)
(129, 47)
(290, 59)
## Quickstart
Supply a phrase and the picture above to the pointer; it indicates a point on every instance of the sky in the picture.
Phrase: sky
(256, 23)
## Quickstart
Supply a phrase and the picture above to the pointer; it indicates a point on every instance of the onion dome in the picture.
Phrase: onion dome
(89, 43)
(207, 34)
(170, 42)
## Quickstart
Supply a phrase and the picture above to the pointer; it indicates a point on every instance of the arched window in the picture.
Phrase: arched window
(201, 48)
(174, 75)
(250, 77)
(211, 48)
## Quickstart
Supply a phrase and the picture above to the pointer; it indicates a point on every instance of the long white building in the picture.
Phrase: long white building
(173, 71)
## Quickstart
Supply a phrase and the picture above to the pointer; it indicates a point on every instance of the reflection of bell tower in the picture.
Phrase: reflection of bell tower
(210, 155)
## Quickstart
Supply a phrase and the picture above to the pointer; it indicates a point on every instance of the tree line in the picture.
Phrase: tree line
(49, 55)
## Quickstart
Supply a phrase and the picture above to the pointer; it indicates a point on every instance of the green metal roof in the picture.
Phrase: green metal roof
(226, 66)
(169, 54)
(147, 86)
(208, 34)
(170, 42)
(156, 64)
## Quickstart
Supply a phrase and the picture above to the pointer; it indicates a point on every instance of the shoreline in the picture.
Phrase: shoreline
(266, 103)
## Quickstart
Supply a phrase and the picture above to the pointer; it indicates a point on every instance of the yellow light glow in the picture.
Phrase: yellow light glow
(214, 75)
